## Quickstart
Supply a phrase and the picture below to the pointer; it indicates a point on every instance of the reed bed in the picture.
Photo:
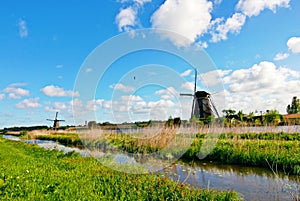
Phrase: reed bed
(271, 147)
(68, 139)
(267, 146)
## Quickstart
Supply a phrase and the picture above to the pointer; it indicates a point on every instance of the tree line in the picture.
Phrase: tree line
(232, 117)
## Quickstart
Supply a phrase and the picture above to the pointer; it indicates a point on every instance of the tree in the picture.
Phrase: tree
(250, 116)
(294, 108)
(240, 115)
(228, 112)
(273, 117)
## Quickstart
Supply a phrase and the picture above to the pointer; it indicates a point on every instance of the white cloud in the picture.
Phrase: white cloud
(190, 19)
(56, 107)
(59, 66)
(55, 91)
(76, 103)
(161, 103)
(294, 44)
(262, 86)
(140, 2)
(131, 98)
(256, 77)
(254, 7)
(168, 93)
(2, 96)
(186, 73)
(187, 21)
(107, 104)
(16, 92)
(135, 108)
(203, 45)
(126, 19)
(130, 104)
(281, 56)
(217, 2)
(76, 107)
(88, 70)
(18, 84)
(29, 103)
(232, 25)
(23, 30)
(121, 87)
(188, 86)
(94, 105)
(214, 77)
(162, 109)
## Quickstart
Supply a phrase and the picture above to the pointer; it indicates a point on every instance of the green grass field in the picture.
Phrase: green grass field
(28, 172)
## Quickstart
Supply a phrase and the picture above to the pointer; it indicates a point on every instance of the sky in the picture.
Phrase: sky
(248, 50)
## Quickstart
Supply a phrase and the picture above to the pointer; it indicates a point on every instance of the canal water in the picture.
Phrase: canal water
(251, 182)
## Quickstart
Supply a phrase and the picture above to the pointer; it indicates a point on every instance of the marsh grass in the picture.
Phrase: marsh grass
(250, 149)
(28, 172)
(68, 139)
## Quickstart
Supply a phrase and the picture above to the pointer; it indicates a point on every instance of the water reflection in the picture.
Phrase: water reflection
(53, 145)
(11, 137)
(252, 183)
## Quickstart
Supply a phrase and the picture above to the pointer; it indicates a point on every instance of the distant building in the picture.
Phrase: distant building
(292, 119)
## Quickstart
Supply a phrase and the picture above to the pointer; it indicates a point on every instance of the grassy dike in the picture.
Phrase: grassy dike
(28, 172)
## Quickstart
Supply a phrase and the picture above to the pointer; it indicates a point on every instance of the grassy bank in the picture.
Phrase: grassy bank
(279, 151)
(278, 155)
(28, 172)
(68, 139)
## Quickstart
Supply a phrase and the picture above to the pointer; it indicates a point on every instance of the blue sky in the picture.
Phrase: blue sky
(255, 47)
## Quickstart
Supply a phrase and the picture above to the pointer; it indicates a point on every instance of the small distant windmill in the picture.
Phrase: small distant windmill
(202, 103)
(55, 121)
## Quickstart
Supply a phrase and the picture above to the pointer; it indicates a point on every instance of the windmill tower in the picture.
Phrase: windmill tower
(203, 105)
(55, 121)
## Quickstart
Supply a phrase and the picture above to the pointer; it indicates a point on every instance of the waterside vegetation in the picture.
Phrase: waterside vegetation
(276, 150)
(28, 172)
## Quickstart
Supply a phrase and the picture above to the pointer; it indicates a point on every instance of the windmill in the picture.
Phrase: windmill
(55, 121)
(203, 105)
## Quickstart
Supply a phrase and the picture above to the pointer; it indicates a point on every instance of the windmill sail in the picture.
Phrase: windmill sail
(214, 107)
(194, 106)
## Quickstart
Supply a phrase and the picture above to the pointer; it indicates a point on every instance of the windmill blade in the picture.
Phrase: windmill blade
(56, 115)
(195, 86)
(49, 119)
(186, 94)
(193, 107)
(214, 107)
